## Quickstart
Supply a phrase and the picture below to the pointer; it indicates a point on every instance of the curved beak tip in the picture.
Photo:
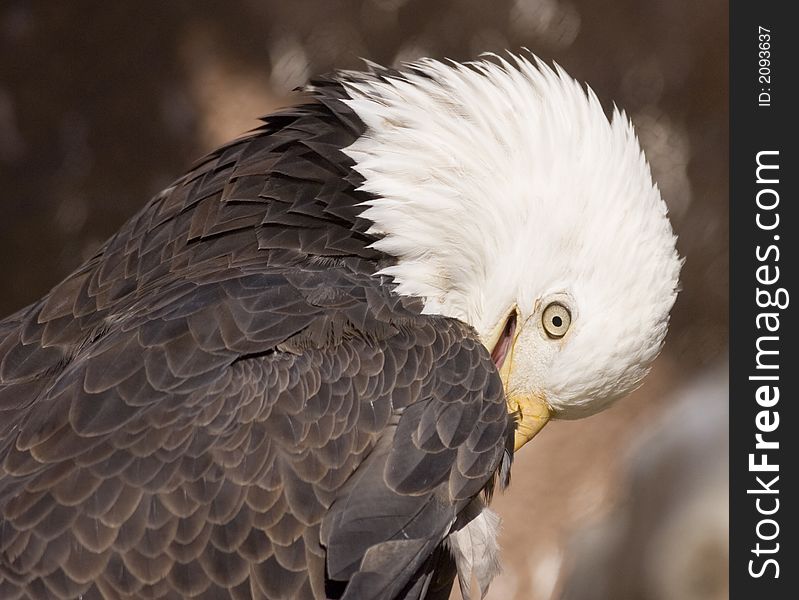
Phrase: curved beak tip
(534, 413)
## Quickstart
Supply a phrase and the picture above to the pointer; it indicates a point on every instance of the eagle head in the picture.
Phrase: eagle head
(512, 202)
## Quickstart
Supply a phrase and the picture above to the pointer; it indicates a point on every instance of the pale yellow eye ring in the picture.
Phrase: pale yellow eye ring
(556, 320)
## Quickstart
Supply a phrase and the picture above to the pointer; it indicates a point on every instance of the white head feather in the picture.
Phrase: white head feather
(499, 185)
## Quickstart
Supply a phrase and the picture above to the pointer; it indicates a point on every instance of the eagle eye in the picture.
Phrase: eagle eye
(556, 320)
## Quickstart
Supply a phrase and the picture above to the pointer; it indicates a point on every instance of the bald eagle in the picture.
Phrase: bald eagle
(302, 369)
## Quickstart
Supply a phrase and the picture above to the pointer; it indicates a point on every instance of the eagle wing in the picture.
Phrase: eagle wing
(257, 436)
(234, 417)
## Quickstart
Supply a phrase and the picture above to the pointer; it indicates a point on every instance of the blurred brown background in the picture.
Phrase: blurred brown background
(102, 104)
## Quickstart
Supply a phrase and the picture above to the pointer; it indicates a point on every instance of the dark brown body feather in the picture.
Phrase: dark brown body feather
(226, 402)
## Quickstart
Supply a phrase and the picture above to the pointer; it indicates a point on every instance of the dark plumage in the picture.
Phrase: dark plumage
(226, 402)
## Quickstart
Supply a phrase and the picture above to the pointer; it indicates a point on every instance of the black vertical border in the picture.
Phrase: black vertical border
(755, 128)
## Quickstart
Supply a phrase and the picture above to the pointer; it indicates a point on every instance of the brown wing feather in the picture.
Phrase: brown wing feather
(225, 402)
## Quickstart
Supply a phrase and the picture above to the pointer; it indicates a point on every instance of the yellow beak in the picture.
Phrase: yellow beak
(533, 414)
(532, 410)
